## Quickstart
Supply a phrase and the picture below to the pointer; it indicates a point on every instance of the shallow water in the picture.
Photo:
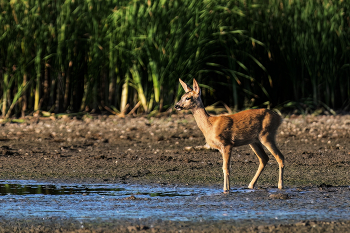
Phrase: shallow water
(32, 199)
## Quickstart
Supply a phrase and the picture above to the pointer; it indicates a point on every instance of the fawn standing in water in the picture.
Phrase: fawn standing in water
(255, 127)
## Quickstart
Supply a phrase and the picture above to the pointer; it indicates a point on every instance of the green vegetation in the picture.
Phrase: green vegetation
(92, 55)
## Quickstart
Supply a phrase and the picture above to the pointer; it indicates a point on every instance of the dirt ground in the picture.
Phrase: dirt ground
(168, 150)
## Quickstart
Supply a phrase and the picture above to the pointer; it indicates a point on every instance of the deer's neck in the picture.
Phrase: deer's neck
(202, 118)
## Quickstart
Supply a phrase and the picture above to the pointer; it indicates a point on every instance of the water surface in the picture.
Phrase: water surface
(32, 199)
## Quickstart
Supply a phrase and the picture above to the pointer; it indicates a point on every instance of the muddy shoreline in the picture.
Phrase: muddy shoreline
(146, 225)
(164, 151)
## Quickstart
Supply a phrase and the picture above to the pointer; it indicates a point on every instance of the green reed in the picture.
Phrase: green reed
(91, 55)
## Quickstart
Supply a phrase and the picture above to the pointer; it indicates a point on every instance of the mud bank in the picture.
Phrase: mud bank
(164, 151)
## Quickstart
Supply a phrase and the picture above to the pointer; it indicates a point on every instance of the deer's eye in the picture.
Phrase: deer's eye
(188, 98)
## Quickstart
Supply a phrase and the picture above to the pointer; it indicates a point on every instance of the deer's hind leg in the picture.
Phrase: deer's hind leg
(263, 159)
(269, 142)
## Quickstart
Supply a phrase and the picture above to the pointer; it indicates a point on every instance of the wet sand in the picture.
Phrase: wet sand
(164, 151)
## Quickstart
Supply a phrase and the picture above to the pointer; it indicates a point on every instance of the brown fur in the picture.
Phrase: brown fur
(255, 127)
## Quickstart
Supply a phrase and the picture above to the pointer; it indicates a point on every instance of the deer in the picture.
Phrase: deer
(253, 127)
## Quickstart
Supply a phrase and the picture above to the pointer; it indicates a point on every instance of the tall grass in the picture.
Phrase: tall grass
(91, 55)
(309, 44)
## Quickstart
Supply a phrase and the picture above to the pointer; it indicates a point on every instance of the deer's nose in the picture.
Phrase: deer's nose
(177, 107)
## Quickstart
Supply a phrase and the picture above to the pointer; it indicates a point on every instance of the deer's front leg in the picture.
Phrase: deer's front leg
(226, 157)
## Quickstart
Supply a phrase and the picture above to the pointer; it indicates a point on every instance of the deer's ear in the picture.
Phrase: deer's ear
(196, 87)
(185, 86)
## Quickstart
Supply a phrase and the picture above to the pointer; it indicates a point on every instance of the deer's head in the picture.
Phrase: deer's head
(191, 99)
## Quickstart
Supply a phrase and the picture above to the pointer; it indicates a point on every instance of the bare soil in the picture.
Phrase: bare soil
(169, 150)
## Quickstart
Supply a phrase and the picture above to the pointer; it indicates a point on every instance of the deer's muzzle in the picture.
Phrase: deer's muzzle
(178, 107)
